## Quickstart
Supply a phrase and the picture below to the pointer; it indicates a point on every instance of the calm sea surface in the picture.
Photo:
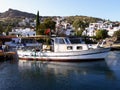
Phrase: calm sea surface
(29, 75)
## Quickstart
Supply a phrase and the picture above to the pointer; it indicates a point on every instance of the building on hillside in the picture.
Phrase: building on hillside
(111, 31)
(91, 30)
(23, 32)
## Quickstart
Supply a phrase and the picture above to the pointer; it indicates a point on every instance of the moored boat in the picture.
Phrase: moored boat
(22, 42)
(63, 49)
(5, 54)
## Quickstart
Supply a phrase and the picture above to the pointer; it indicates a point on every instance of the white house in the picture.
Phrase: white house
(111, 31)
(23, 32)
(90, 31)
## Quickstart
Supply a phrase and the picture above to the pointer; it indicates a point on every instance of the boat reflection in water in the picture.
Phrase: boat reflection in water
(66, 69)
(113, 59)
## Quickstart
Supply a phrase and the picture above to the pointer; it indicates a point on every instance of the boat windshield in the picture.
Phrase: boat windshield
(67, 41)
(75, 40)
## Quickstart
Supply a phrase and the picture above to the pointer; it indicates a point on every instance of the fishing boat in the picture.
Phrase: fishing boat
(63, 49)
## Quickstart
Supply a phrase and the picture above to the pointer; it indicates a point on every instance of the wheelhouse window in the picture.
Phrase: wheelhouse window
(67, 41)
(75, 40)
(59, 41)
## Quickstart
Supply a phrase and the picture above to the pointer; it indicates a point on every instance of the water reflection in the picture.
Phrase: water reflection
(113, 59)
(36, 75)
(113, 62)
(65, 69)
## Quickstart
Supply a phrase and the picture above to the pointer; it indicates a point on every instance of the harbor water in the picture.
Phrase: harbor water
(36, 75)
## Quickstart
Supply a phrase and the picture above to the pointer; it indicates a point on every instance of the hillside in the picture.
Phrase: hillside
(11, 13)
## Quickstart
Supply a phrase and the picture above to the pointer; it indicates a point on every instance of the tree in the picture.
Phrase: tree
(79, 32)
(1, 28)
(79, 24)
(101, 34)
(117, 33)
(41, 29)
(37, 21)
(49, 23)
(70, 19)
(8, 29)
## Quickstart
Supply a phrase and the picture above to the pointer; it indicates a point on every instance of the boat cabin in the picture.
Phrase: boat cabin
(65, 44)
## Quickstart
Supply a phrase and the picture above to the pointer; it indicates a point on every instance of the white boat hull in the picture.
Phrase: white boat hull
(86, 55)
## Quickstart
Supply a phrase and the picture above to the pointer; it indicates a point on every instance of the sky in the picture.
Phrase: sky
(105, 9)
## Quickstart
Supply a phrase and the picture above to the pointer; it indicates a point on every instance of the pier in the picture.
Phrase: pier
(7, 55)
(115, 47)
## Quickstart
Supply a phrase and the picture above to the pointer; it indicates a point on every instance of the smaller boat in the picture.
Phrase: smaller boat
(63, 49)
(22, 42)
(5, 54)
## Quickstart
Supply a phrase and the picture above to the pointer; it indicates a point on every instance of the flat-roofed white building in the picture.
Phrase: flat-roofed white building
(23, 32)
